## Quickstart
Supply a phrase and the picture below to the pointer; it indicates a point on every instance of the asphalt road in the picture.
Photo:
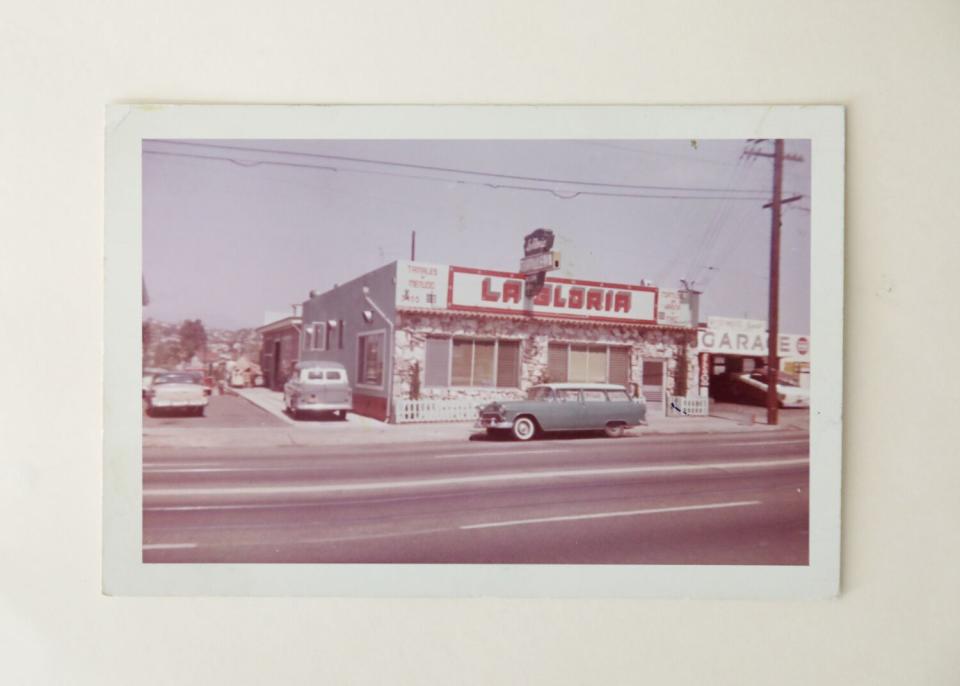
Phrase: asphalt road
(706, 499)
(223, 412)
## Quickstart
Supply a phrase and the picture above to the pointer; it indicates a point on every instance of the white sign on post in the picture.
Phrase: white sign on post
(544, 262)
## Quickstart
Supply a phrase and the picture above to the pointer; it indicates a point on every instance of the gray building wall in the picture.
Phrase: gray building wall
(346, 303)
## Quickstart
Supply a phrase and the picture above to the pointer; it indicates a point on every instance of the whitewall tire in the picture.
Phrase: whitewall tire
(523, 428)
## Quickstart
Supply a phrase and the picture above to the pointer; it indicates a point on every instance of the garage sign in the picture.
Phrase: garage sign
(751, 342)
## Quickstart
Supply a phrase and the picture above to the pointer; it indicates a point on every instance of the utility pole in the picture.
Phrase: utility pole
(773, 317)
(413, 246)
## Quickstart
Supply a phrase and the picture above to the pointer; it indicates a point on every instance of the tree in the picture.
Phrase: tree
(166, 354)
(193, 338)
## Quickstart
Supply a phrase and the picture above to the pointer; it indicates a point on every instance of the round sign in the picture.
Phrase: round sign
(803, 345)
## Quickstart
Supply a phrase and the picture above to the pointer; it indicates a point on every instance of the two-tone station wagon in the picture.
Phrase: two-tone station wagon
(565, 407)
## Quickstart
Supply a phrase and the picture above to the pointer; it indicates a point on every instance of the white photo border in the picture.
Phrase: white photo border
(127, 126)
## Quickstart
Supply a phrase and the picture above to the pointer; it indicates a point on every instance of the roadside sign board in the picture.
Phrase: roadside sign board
(541, 262)
(537, 242)
(537, 261)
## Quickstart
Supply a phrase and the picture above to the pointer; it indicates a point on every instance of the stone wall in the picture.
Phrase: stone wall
(648, 343)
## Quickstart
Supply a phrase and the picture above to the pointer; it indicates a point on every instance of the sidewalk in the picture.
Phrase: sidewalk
(358, 430)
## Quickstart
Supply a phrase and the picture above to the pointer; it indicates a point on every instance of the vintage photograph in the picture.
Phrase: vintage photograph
(478, 351)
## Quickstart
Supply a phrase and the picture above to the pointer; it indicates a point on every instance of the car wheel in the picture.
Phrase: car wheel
(523, 428)
(614, 430)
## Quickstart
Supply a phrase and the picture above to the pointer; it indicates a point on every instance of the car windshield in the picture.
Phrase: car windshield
(540, 393)
(176, 378)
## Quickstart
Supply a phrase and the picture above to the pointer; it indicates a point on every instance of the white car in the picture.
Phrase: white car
(789, 392)
(176, 391)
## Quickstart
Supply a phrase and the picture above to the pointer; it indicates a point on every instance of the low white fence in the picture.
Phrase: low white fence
(682, 406)
(436, 410)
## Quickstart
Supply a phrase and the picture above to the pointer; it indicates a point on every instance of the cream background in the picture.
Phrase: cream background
(893, 64)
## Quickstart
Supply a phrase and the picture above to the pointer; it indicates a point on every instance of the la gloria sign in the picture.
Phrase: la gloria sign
(482, 290)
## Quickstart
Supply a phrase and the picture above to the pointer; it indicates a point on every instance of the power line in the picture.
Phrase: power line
(562, 195)
(658, 153)
(454, 170)
(714, 227)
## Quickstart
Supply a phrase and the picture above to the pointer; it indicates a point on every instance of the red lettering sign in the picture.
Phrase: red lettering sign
(487, 292)
(543, 297)
(499, 291)
(558, 299)
(594, 299)
(576, 298)
(512, 291)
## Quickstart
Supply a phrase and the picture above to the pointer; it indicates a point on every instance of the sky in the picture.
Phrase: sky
(235, 229)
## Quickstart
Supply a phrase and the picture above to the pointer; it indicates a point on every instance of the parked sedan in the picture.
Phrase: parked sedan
(318, 386)
(148, 375)
(565, 407)
(176, 391)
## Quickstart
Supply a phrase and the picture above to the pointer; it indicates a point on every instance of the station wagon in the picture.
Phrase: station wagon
(565, 407)
(318, 386)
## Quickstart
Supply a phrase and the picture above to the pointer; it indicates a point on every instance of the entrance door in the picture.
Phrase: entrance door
(652, 382)
(276, 373)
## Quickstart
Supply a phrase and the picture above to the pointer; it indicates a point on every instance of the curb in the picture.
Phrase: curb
(284, 438)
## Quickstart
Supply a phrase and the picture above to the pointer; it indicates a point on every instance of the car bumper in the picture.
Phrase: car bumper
(492, 424)
(178, 403)
(321, 407)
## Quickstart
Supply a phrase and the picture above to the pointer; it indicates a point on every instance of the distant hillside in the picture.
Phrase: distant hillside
(164, 347)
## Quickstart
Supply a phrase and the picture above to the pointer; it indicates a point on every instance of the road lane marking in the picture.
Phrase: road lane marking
(484, 453)
(799, 440)
(207, 470)
(178, 469)
(463, 480)
(604, 515)
(168, 546)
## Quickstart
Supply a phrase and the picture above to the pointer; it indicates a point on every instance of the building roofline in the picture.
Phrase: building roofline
(461, 314)
(291, 321)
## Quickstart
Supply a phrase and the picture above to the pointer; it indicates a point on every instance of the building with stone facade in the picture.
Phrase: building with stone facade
(427, 341)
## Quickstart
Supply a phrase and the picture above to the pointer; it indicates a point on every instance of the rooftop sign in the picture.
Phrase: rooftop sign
(479, 290)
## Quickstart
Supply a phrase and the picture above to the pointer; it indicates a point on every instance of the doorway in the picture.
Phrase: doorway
(652, 380)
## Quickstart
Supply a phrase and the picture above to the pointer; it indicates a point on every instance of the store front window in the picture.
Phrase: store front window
(462, 361)
(317, 336)
(370, 359)
(584, 363)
